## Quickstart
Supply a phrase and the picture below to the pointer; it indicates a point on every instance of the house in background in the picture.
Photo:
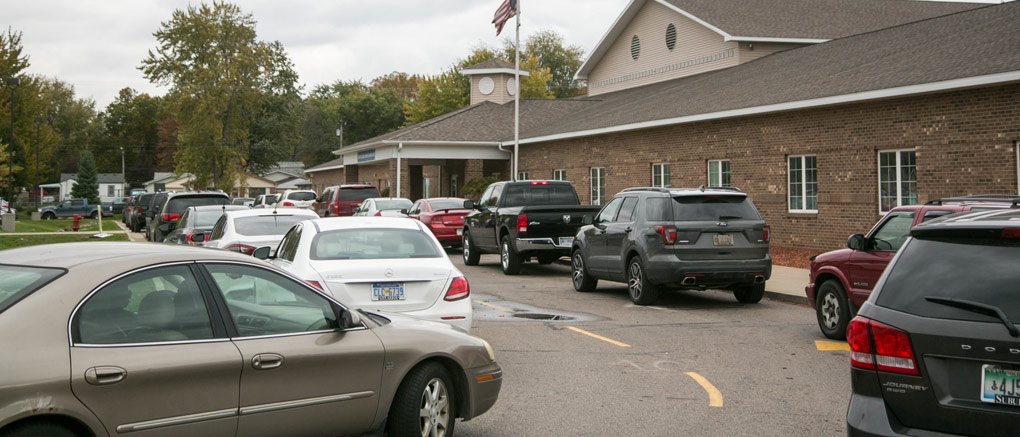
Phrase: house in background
(111, 185)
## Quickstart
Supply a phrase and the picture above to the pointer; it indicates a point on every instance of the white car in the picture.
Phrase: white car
(265, 201)
(379, 264)
(383, 207)
(297, 199)
(246, 230)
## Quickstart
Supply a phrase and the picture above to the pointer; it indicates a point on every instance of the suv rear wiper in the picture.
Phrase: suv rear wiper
(723, 217)
(976, 307)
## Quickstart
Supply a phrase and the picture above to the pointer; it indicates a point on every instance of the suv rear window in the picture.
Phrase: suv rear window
(357, 194)
(20, 281)
(301, 196)
(710, 207)
(535, 195)
(179, 204)
(978, 270)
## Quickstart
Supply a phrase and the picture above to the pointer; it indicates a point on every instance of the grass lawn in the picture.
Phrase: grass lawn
(58, 225)
(10, 242)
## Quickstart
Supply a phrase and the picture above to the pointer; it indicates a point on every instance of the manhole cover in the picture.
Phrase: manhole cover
(540, 316)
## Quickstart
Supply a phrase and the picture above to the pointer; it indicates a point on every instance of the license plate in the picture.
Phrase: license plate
(460, 231)
(722, 239)
(566, 241)
(1000, 385)
(394, 291)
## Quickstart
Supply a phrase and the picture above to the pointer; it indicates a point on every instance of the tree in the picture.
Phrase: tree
(222, 80)
(561, 60)
(5, 169)
(86, 183)
(436, 96)
(403, 84)
(131, 121)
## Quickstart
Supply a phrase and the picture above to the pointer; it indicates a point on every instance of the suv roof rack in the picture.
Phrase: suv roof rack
(734, 189)
(1001, 198)
(657, 189)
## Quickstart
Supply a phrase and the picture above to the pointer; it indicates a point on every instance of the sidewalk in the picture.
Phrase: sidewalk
(787, 284)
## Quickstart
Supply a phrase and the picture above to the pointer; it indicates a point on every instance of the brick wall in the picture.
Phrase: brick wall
(322, 179)
(964, 144)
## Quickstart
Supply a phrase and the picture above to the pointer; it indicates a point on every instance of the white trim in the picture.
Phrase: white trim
(768, 39)
(509, 71)
(899, 181)
(627, 10)
(599, 186)
(316, 170)
(726, 36)
(803, 184)
(720, 161)
(663, 174)
(417, 143)
(953, 84)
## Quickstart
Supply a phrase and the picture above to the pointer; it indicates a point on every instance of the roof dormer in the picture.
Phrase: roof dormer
(492, 81)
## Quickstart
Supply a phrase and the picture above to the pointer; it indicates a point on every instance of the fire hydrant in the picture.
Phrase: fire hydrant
(74, 223)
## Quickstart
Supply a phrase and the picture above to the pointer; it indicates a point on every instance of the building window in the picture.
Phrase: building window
(670, 36)
(719, 173)
(598, 185)
(522, 175)
(803, 184)
(109, 191)
(635, 47)
(660, 175)
(897, 179)
(559, 175)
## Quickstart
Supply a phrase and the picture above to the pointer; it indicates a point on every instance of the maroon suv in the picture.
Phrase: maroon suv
(857, 268)
(340, 200)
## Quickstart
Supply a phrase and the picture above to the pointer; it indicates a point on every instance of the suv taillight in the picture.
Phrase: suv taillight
(766, 232)
(378, 214)
(288, 203)
(668, 234)
(170, 217)
(458, 290)
(876, 346)
(522, 224)
(336, 208)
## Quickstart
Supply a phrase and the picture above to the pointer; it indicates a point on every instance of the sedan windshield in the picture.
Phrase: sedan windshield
(373, 244)
(393, 205)
(20, 281)
(276, 224)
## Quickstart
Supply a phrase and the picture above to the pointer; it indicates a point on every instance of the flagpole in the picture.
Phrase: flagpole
(517, 95)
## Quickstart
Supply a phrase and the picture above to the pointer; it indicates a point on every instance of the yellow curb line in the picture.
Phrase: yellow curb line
(494, 306)
(607, 340)
(714, 396)
(824, 345)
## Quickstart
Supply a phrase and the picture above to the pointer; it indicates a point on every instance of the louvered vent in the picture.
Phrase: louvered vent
(635, 47)
(670, 36)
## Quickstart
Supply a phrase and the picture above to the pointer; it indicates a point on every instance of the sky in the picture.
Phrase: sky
(97, 45)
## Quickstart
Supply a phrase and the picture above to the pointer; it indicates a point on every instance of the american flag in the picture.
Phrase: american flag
(506, 10)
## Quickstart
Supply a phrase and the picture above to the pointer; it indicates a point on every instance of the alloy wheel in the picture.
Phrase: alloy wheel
(504, 256)
(830, 311)
(434, 409)
(635, 280)
(578, 270)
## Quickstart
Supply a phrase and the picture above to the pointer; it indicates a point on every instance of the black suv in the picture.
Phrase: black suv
(934, 348)
(171, 205)
(655, 238)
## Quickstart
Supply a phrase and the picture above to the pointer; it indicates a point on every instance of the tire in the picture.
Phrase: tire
(471, 255)
(750, 293)
(641, 290)
(49, 216)
(832, 310)
(37, 429)
(547, 259)
(94, 215)
(508, 258)
(425, 403)
(579, 273)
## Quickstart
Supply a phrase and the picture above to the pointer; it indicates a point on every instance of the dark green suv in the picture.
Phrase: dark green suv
(656, 238)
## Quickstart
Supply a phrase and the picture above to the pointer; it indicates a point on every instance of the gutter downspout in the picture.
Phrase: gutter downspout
(400, 146)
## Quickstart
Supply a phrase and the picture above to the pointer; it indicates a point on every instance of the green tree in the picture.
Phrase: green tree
(219, 75)
(403, 84)
(86, 183)
(437, 95)
(365, 112)
(554, 54)
(5, 169)
(131, 121)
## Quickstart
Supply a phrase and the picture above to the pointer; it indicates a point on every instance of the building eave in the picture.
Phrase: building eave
(332, 167)
(782, 40)
(350, 149)
(509, 71)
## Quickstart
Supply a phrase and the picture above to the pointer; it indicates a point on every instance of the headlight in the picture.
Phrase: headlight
(488, 348)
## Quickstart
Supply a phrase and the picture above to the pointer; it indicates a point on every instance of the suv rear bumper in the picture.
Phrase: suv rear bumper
(546, 244)
(667, 269)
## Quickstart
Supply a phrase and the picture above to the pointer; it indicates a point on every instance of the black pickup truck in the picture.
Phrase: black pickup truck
(523, 219)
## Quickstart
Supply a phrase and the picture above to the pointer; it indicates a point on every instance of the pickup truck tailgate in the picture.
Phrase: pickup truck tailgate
(554, 221)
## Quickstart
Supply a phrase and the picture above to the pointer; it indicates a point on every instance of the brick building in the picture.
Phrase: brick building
(825, 119)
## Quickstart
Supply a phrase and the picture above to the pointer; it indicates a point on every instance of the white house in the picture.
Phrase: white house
(111, 185)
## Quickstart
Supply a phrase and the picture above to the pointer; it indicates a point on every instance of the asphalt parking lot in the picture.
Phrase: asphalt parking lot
(698, 363)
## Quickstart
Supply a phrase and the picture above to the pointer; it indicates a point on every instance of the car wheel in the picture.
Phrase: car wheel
(49, 216)
(425, 403)
(38, 429)
(508, 258)
(547, 259)
(471, 254)
(94, 215)
(750, 293)
(642, 291)
(579, 273)
(832, 310)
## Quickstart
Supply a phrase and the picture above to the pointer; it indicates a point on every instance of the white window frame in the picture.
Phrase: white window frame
(899, 182)
(664, 175)
(522, 175)
(597, 182)
(559, 174)
(803, 184)
(718, 162)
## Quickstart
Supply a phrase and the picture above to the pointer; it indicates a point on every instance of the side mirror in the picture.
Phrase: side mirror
(855, 242)
(404, 211)
(587, 220)
(468, 204)
(263, 252)
(198, 238)
(346, 318)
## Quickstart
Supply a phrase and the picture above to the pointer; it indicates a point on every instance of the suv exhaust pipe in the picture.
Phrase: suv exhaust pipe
(758, 279)
(690, 280)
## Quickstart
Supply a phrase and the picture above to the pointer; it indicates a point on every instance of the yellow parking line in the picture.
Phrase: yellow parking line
(607, 340)
(714, 396)
(824, 345)
(494, 306)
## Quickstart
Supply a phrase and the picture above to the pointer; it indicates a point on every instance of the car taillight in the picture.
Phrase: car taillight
(539, 183)
(668, 234)
(426, 219)
(170, 217)
(458, 290)
(1010, 233)
(891, 352)
(243, 248)
(288, 203)
(336, 208)
(378, 214)
(315, 284)
(766, 232)
(522, 224)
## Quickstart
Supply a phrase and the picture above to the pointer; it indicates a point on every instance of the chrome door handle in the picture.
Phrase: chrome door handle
(103, 375)
(266, 361)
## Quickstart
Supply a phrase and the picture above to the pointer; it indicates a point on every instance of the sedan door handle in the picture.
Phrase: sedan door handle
(104, 375)
(628, 229)
(266, 361)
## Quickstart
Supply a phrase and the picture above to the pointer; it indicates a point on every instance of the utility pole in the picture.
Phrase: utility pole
(123, 178)
(38, 189)
(340, 133)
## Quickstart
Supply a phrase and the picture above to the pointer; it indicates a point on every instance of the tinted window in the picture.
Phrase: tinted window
(373, 244)
(301, 196)
(497, 191)
(983, 271)
(161, 304)
(217, 231)
(608, 213)
(263, 302)
(357, 194)
(705, 208)
(271, 199)
(179, 204)
(289, 244)
(935, 213)
(627, 210)
(392, 205)
(267, 224)
(19, 282)
(207, 217)
(657, 209)
(528, 195)
(446, 204)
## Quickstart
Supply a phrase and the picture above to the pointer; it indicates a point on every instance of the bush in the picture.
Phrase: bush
(474, 188)
(385, 192)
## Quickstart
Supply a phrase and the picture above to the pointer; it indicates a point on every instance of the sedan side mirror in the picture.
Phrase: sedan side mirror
(347, 319)
(855, 242)
(587, 220)
(468, 204)
(263, 252)
(198, 238)
(404, 211)
(164, 228)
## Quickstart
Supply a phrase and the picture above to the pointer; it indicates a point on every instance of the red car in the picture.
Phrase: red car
(340, 200)
(443, 215)
(841, 280)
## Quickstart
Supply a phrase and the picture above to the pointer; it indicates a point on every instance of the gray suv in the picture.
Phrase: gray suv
(657, 238)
